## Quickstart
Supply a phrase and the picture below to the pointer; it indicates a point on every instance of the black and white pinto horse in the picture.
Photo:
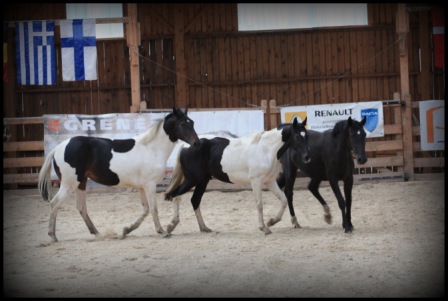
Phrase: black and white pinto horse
(138, 162)
(332, 153)
(252, 159)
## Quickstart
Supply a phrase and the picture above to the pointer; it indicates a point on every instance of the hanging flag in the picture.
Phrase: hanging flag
(438, 33)
(5, 52)
(35, 53)
(78, 49)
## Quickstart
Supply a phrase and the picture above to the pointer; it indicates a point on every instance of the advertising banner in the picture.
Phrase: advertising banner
(432, 124)
(324, 117)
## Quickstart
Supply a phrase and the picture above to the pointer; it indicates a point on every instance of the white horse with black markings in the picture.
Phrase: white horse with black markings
(138, 162)
(247, 160)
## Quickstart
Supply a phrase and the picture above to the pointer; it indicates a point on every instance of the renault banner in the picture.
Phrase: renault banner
(324, 117)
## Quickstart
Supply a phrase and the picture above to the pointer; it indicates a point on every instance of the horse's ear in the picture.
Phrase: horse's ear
(295, 123)
(363, 121)
(350, 121)
(186, 110)
(283, 149)
(174, 111)
(304, 122)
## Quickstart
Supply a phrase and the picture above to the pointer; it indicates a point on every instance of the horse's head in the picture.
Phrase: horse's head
(179, 126)
(358, 139)
(296, 137)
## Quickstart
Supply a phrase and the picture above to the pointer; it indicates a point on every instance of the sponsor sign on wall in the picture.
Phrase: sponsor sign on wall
(324, 117)
(432, 124)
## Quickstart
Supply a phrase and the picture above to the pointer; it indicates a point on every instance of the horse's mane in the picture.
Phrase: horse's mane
(149, 135)
(339, 127)
(256, 138)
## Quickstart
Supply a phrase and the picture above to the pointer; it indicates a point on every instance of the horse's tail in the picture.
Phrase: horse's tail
(177, 178)
(44, 183)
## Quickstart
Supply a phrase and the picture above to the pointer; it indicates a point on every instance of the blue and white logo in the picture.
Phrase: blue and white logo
(372, 117)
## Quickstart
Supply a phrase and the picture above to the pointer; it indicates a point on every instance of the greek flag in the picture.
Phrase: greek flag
(78, 49)
(35, 53)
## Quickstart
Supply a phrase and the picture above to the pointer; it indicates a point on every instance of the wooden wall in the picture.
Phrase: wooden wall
(225, 68)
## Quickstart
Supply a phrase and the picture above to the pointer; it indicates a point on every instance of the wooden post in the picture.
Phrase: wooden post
(425, 51)
(267, 119)
(179, 52)
(133, 41)
(402, 29)
(272, 115)
(10, 100)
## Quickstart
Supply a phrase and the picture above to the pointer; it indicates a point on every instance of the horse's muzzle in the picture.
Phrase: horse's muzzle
(307, 159)
(361, 160)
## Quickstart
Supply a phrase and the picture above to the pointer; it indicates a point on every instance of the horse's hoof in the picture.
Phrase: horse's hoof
(297, 226)
(166, 235)
(170, 228)
(272, 222)
(207, 230)
(328, 219)
(265, 230)
(168, 198)
(126, 231)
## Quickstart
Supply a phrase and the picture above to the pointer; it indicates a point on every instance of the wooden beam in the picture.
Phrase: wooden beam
(402, 21)
(155, 12)
(179, 52)
(133, 41)
(23, 162)
(23, 146)
(196, 17)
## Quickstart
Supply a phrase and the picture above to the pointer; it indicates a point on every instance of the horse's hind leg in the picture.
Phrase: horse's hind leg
(55, 203)
(81, 206)
(256, 189)
(314, 188)
(273, 187)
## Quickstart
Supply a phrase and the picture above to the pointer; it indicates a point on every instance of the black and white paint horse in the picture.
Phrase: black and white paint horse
(332, 153)
(138, 162)
(252, 159)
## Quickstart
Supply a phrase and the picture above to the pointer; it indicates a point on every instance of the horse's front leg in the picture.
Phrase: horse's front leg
(348, 186)
(341, 202)
(81, 206)
(273, 187)
(290, 174)
(196, 203)
(256, 189)
(176, 219)
(148, 193)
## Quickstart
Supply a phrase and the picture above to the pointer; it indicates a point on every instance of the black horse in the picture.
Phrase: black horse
(332, 153)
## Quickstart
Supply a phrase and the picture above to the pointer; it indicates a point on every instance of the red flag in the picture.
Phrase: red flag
(438, 33)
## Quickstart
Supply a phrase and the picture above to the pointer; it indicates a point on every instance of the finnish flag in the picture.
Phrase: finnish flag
(35, 53)
(78, 49)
